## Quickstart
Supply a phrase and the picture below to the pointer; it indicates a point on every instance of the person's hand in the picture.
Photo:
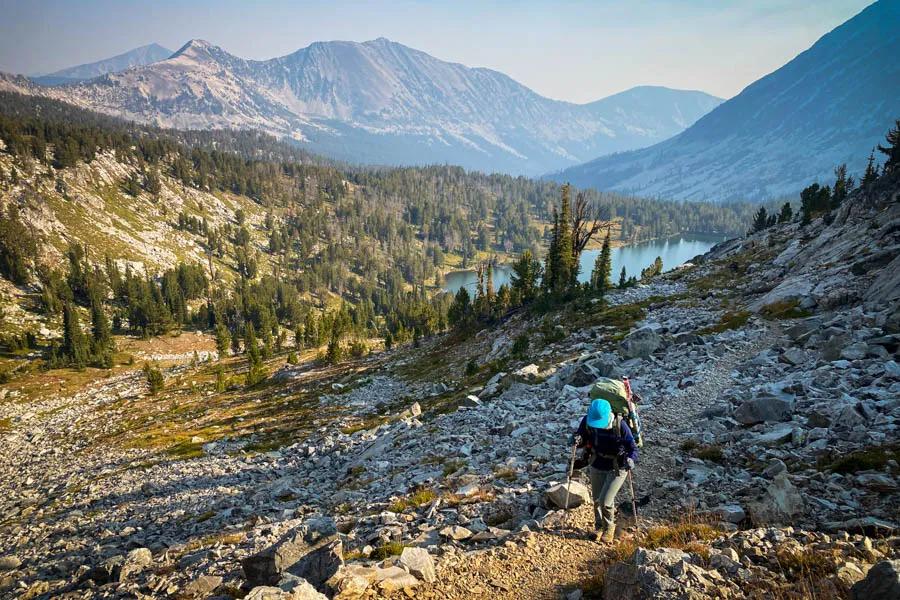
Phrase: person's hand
(575, 439)
(629, 463)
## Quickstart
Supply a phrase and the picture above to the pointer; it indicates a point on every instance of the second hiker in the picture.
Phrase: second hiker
(613, 453)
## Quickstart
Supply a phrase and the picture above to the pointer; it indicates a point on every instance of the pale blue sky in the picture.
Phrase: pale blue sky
(567, 49)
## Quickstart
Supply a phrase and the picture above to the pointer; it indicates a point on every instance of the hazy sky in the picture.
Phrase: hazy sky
(572, 50)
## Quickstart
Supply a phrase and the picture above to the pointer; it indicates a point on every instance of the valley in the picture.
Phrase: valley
(359, 323)
(389, 454)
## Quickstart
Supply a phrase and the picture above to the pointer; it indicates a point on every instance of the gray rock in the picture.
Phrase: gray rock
(764, 408)
(202, 586)
(456, 532)
(310, 551)
(857, 351)
(640, 343)
(779, 503)
(583, 374)
(881, 583)
(418, 561)
(730, 513)
(625, 581)
(792, 288)
(578, 494)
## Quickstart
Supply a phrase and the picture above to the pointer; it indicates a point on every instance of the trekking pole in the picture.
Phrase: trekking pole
(637, 522)
(569, 474)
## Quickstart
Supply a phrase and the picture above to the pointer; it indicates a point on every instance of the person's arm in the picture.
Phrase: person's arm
(581, 433)
(628, 443)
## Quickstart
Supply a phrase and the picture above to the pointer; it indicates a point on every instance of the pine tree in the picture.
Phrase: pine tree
(102, 342)
(786, 214)
(75, 348)
(842, 185)
(526, 273)
(460, 311)
(255, 372)
(223, 339)
(552, 258)
(623, 279)
(871, 173)
(601, 277)
(567, 272)
(220, 379)
(760, 221)
(892, 150)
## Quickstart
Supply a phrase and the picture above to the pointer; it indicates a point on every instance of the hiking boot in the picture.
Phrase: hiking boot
(608, 535)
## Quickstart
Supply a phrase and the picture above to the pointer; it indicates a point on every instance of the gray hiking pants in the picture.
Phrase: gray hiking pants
(604, 487)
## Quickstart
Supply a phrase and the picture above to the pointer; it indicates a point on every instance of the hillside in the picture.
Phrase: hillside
(769, 376)
(138, 57)
(381, 102)
(827, 106)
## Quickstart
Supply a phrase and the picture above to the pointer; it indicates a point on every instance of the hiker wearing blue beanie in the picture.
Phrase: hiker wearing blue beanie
(613, 454)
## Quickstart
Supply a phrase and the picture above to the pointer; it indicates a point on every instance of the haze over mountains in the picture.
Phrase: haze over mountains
(383, 102)
(137, 57)
(830, 105)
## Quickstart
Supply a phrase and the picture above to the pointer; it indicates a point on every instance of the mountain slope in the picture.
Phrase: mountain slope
(829, 105)
(382, 102)
(138, 57)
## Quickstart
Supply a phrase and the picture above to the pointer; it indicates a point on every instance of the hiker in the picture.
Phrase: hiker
(613, 453)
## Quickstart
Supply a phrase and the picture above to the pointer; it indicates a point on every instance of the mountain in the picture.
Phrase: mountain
(829, 105)
(382, 102)
(138, 57)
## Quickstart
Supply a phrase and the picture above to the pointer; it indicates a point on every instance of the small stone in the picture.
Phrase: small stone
(456, 532)
(9, 563)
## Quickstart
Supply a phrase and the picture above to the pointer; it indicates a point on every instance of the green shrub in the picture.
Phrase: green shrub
(471, 368)
(520, 346)
(154, 378)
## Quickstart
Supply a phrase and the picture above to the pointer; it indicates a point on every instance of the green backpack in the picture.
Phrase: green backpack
(618, 393)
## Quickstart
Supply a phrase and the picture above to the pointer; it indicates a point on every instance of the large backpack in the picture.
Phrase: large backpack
(620, 397)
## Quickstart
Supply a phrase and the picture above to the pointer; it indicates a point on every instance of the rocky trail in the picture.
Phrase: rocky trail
(771, 405)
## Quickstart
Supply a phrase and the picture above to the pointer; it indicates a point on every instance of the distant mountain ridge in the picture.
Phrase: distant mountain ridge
(137, 57)
(383, 102)
(831, 104)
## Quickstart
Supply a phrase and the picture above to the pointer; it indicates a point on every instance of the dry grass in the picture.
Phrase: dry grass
(386, 550)
(418, 498)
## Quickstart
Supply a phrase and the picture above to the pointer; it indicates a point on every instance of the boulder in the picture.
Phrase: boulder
(202, 586)
(311, 551)
(418, 562)
(763, 408)
(625, 581)
(792, 288)
(581, 375)
(578, 494)
(886, 286)
(779, 503)
(640, 343)
(730, 513)
(881, 583)
(9, 563)
(528, 372)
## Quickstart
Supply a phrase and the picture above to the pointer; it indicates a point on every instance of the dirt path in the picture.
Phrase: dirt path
(550, 563)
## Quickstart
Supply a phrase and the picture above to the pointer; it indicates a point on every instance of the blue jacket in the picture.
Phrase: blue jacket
(609, 448)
